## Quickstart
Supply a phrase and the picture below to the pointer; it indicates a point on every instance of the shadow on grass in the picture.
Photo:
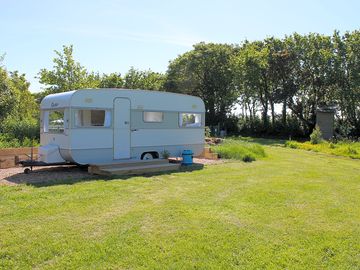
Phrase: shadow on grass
(69, 175)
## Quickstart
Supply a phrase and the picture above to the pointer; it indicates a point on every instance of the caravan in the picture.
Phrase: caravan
(98, 126)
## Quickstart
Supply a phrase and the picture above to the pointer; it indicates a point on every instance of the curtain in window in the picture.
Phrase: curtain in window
(78, 118)
(46, 121)
(66, 119)
(107, 121)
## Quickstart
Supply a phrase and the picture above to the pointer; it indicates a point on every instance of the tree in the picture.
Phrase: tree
(251, 77)
(26, 106)
(137, 79)
(205, 72)
(18, 108)
(7, 95)
(346, 79)
(15, 98)
(309, 82)
(67, 74)
(113, 80)
(282, 61)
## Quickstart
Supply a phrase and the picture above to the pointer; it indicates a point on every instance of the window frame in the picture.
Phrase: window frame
(74, 110)
(152, 122)
(45, 121)
(199, 113)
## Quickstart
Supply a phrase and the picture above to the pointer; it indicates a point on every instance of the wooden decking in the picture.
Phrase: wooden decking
(134, 167)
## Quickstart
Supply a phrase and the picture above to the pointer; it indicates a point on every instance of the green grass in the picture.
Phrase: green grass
(346, 149)
(291, 210)
(236, 148)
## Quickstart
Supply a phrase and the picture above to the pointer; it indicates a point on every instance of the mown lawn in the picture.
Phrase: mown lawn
(293, 209)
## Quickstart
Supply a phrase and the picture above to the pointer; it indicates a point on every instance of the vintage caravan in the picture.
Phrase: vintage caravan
(96, 126)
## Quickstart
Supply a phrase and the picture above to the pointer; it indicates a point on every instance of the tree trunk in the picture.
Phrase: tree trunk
(265, 116)
(283, 118)
(272, 112)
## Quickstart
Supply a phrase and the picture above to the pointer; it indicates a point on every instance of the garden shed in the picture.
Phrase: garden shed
(325, 121)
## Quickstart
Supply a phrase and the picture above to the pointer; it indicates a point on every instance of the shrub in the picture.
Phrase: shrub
(291, 144)
(165, 154)
(352, 151)
(27, 142)
(21, 129)
(207, 132)
(18, 133)
(315, 137)
(8, 141)
(248, 158)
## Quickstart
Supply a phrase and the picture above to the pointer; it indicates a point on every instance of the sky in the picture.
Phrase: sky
(112, 36)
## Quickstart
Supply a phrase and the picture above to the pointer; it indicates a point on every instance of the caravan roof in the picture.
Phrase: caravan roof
(140, 99)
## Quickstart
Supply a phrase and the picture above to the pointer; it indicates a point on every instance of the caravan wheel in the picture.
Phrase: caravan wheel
(147, 156)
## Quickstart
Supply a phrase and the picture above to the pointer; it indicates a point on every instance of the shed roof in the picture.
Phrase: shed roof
(326, 109)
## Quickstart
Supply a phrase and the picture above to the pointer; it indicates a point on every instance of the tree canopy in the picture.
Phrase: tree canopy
(205, 72)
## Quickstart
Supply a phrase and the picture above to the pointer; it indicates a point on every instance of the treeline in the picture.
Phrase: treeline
(277, 83)
(268, 87)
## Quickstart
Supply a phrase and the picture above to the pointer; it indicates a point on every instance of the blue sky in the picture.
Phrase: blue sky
(111, 36)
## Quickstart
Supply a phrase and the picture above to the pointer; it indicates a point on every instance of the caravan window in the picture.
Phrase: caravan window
(190, 120)
(53, 121)
(92, 118)
(153, 117)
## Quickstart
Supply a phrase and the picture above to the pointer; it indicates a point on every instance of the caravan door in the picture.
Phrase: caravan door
(121, 128)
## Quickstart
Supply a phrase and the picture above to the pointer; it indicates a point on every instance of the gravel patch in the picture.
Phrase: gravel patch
(206, 161)
(14, 176)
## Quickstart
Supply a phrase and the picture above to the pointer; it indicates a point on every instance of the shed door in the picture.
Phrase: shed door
(121, 128)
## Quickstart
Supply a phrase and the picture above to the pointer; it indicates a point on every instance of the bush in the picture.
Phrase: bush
(255, 127)
(8, 141)
(315, 137)
(21, 129)
(165, 154)
(16, 133)
(207, 132)
(352, 151)
(248, 158)
(291, 144)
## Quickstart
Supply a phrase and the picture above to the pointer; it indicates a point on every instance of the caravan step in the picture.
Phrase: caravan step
(131, 170)
(132, 163)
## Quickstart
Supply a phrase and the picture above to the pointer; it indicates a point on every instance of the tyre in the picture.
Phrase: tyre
(147, 156)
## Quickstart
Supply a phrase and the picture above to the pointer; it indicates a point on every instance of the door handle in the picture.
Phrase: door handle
(134, 129)
(126, 122)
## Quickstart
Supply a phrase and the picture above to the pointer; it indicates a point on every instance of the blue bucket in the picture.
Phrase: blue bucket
(187, 156)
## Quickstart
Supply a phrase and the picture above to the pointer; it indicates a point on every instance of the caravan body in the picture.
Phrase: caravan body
(95, 126)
